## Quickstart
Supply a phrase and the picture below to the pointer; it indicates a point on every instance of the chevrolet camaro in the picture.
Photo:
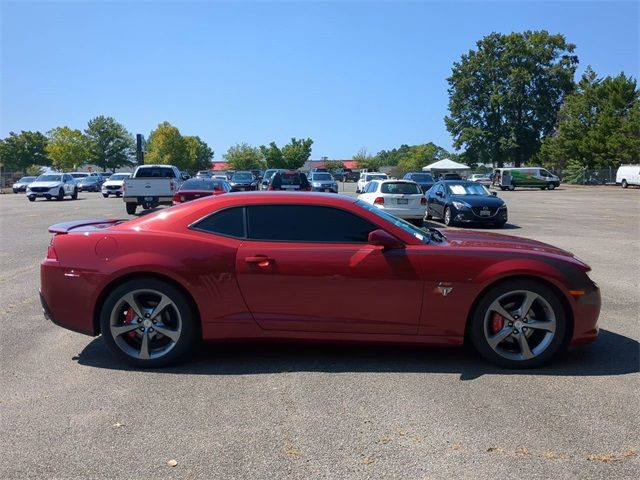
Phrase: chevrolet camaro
(252, 266)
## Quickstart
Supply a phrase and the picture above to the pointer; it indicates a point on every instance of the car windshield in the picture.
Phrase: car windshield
(79, 175)
(322, 176)
(26, 179)
(467, 189)
(90, 180)
(201, 185)
(49, 178)
(242, 177)
(421, 177)
(418, 233)
(404, 188)
(118, 176)
(268, 174)
(368, 178)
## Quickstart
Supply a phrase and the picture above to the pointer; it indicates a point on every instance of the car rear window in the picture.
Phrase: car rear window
(228, 222)
(421, 177)
(157, 172)
(290, 178)
(202, 185)
(404, 188)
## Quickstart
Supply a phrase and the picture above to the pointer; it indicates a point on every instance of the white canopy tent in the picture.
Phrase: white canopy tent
(446, 165)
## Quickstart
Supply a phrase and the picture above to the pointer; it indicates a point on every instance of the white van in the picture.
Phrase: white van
(628, 175)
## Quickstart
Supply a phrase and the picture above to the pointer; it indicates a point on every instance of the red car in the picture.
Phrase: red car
(279, 266)
(195, 188)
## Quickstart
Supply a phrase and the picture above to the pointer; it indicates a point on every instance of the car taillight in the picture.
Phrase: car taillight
(172, 185)
(423, 201)
(270, 187)
(308, 188)
(379, 201)
(51, 253)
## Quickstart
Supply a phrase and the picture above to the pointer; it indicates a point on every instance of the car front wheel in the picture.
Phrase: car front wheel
(624, 184)
(518, 324)
(61, 195)
(448, 220)
(74, 195)
(551, 186)
(148, 323)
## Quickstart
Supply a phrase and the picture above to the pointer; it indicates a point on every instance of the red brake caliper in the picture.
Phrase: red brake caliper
(128, 318)
(497, 322)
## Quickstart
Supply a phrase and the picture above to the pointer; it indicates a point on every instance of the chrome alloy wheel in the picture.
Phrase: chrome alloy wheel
(145, 324)
(519, 325)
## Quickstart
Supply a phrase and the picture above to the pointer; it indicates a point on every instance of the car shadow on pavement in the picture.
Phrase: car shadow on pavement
(611, 354)
(476, 226)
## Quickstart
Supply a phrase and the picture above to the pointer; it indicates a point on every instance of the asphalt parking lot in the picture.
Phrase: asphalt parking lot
(68, 411)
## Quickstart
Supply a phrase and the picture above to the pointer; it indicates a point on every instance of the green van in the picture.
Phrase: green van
(535, 177)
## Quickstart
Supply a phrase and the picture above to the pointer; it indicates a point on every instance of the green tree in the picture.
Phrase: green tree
(166, 146)
(333, 164)
(504, 97)
(67, 148)
(365, 160)
(419, 156)
(296, 153)
(20, 150)
(272, 156)
(111, 146)
(34, 170)
(199, 153)
(598, 126)
(243, 157)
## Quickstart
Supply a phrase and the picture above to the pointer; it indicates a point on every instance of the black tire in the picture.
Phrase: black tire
(177, 319)
(74, 195)
(508, 351)
(32, 199)
(511, 187)
(551, 186)
(624, 184)
(447, 218)
(428, 216)
(131, 208)
(105, 195)
(60, 196)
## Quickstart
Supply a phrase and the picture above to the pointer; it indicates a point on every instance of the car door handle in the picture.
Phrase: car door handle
(260, 260)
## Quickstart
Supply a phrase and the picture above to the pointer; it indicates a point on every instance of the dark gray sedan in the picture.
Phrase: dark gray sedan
(21, 185)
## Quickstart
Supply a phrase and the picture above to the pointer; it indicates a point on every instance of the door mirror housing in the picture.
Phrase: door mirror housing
(380, 238)
(495, 194)
(439, 194)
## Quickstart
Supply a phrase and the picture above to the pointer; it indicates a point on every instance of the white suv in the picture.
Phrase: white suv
(53, 185)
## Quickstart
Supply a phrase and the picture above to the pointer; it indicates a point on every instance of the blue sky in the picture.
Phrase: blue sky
(347, 74)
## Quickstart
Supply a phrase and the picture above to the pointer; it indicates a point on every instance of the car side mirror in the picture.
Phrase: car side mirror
(495, 194)
(439, 194)
(380, 238)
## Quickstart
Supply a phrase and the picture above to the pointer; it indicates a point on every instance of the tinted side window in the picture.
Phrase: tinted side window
(306, 223)
(228, 222)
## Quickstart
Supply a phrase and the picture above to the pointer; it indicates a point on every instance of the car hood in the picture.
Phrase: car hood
(479, 200)
(45, 184)
(113, 183)
(475, 239)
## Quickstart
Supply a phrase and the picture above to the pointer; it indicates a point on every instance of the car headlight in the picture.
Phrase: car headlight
(502, 207)
(316, 184)
(460, 205)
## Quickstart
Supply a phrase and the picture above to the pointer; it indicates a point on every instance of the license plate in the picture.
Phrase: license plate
(485, 213)
(327, 189)
(403, 201)
(148, 199)
(290, 187)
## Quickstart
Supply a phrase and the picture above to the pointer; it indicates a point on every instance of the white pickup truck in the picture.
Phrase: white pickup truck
(150, 186)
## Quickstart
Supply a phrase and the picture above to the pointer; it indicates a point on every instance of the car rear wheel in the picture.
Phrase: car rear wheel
(448, 221)
(148, 323)
(131, 208)
(518, 324)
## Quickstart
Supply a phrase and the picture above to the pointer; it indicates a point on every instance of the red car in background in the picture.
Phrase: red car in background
(199, 187)
(254, 266)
